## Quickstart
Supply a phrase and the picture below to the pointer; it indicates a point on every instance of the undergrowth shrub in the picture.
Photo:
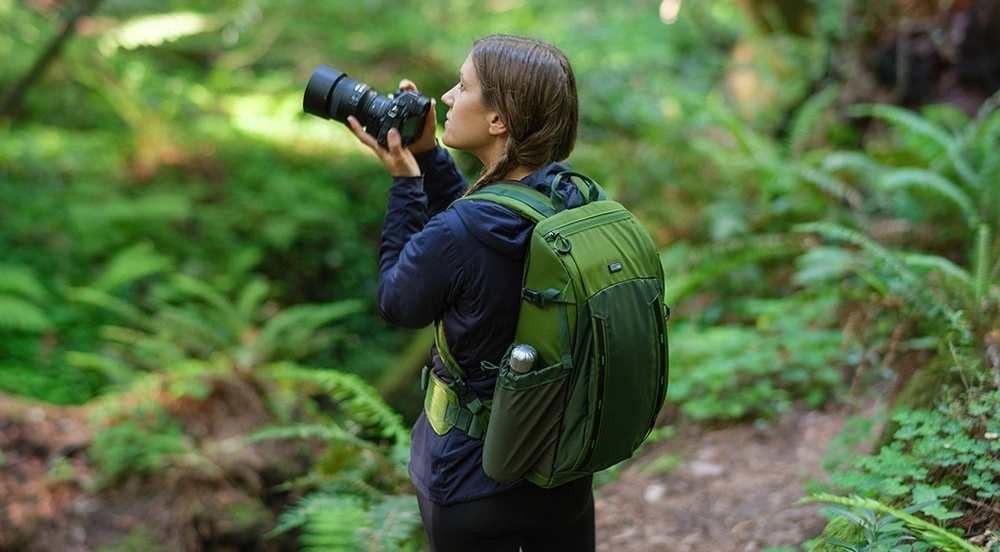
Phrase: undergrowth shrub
(148, 441)
(867, 525)
(923, 238)
(785, 352)
(947, 457)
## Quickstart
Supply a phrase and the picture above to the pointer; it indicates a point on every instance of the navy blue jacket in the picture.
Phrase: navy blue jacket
(462, 263)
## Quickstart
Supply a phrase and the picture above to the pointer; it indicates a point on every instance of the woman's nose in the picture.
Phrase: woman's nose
(446, 98)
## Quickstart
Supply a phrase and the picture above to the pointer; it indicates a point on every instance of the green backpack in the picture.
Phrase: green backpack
(592, 309)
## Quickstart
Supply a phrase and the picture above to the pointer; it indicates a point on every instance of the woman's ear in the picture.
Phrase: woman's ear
(497, 126)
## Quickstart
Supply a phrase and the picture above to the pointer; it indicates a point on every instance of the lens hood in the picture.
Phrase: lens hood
(319, 91)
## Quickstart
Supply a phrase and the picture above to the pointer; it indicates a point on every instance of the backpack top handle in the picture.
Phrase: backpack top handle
(590, 189)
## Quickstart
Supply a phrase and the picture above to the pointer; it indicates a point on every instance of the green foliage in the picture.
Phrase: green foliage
(359, 488)
(136, 540)
(784, 355)
(344, 523)
(937, 455)
(953, 297)
(926, 169)
(170, 216)
(188, 322)
(885, 528)
(140, 445)
(21, 298)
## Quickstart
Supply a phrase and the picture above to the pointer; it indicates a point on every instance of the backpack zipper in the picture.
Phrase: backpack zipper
(596, 219)
(602, 366)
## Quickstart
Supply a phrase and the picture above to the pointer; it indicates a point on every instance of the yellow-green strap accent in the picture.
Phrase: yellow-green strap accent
(444, 411)
(442, 346)
(442, 401)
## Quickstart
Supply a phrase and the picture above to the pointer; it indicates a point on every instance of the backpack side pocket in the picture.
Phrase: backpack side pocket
(524, 424)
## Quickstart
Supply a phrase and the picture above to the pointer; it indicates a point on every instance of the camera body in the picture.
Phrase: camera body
(331, 94)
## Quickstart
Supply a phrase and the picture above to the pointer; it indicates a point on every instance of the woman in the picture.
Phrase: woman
(515, 108)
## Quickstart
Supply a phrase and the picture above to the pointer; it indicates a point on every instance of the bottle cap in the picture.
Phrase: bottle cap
(522, 358)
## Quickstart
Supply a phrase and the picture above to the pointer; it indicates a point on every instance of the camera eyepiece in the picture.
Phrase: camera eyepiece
(331, 94)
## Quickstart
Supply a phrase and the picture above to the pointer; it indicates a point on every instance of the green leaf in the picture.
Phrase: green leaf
(21, 315)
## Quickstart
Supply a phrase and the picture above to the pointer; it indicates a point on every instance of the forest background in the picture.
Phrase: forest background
(190, 353)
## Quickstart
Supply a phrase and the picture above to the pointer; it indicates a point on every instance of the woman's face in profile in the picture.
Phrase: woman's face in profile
(467, 124)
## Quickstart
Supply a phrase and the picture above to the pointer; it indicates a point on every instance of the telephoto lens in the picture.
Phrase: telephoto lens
(331, 94)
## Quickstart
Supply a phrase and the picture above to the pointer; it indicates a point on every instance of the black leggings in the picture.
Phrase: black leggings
(528, 518)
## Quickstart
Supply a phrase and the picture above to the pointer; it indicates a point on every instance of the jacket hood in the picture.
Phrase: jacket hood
(504, 230)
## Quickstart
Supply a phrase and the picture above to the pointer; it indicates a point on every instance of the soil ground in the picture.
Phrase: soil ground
(732, 489)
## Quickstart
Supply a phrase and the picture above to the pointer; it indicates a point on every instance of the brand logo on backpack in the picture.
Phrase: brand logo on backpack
(614, 267)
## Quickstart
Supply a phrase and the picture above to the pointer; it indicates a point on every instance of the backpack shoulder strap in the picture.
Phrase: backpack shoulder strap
(526, 201)
(523, 200)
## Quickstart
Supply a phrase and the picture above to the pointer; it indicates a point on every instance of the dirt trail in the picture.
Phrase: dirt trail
(733, 490)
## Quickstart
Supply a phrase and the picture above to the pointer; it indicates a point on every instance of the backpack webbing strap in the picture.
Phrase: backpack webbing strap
(442, 346)
(442, 401)
(444, 410)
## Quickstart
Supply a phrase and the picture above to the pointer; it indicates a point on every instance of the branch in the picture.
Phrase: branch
(10, 101)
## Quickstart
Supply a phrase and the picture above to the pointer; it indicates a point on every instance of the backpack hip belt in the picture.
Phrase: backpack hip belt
(444, 409)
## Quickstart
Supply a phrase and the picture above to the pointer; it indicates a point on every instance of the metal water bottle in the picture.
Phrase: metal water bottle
(522, 358)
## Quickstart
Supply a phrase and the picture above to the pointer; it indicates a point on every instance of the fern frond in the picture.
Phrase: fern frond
(861, 165)
(132, 264)
(803, 124)
(109, 368)
(908, 121)
(105, 301)
(940, 265)
(842, 233)
(823, 264)
(829, 184)
(251, 298)
(335, 522)
(934, 534)
(21, 315)
(315, 510)
(874, 250)
(335, 528)
(360, 400)
(327, 432)
(295, 326)
(981, 264)
(226, 313)
(988, 110)
(152, 352)
(394, 524)
(364, 403)
(191, 330)
(703, 264)
(911, 122)
(921, 178)
(22, 282)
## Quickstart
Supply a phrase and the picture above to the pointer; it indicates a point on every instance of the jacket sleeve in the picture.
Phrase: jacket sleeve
(443, 182)
(417, 259)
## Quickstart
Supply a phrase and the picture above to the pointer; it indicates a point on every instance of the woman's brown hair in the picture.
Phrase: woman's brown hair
(531, 85)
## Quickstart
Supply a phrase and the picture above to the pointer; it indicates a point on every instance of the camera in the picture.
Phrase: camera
(331, 94)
